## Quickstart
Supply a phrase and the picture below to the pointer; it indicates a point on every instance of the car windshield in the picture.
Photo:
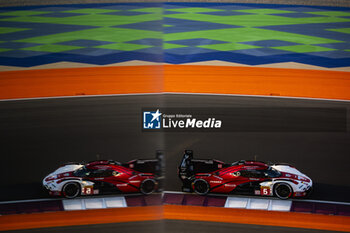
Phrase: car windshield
(272, 173)
(81, 172)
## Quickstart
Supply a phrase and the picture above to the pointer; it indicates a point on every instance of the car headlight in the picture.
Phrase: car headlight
(51, 178)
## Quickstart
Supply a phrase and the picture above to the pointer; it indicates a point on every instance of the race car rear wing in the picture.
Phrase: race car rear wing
(155, 166)
(189, 166)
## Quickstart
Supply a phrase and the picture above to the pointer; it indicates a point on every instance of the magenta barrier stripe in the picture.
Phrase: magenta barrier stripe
(320, 208)
(175, 199)
(31, 207)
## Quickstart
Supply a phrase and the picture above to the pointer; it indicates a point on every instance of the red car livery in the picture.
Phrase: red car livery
(105, 176)
(246, 177)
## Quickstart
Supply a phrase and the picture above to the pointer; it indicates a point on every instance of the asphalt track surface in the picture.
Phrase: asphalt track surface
(171, 226)
(38, 135)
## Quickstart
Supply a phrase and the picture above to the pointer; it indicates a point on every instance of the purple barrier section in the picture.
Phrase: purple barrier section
(216, 201)
(306, 207)
(320, 208)
(173, 199)
(135, 201)
(154, 199)
(192, 199)
(343, 210)
(31, 207)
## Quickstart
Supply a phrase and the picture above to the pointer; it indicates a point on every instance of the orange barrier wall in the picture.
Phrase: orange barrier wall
(257, 217)
(196, 213)
(175, 78)
(80, 217)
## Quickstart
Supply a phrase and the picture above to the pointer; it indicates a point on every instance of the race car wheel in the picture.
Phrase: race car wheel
(148, 186)
(201, 186)
(283, 190)
(71, 190)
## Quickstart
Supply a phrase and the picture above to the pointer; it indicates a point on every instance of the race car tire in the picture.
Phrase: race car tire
(283, 190)
(148, 186)
(201, 186)
(71, 190)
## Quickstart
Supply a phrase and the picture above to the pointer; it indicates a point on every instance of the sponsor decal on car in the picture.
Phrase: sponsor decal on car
(88, 190)
(265, 191)
(216, 181)
(135, 181)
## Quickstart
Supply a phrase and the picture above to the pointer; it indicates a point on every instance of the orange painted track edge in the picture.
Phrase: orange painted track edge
(254, 81)
(87, 81)
(257, 81)
(175, 212)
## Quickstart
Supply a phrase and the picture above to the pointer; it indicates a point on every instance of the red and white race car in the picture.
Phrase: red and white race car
(247, 177)
(105, 176)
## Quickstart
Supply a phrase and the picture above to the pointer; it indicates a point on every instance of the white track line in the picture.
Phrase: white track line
(30, 200)
(259, 96)
(176, 93)
(77, 96)
(304, 200)
(61, 198)
(170, 192)
(326, 202)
